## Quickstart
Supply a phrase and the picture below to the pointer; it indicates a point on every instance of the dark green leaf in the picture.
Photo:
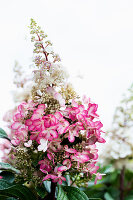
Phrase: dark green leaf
(95, 199)
(93, 193)
(8, 176)
(7, 167)
(17, 191)
(70, 193)
(41, 191)
(130, 197)
(4, 184)
(3, 197)
(61, 194)
(3, 134)
(114, 192)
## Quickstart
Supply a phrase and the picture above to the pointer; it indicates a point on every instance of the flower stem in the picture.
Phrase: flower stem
(122, 183)
(45, 53)
(53, 188)
(51, 196)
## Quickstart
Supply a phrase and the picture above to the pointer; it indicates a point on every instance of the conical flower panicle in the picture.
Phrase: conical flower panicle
(56, 131)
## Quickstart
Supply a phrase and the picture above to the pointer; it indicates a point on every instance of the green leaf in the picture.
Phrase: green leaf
(8, 176)
(70, 193)
(61, 194)
(3, 197)
(95, 199)
(4, 184)
(7, 167)
(130, 197)
(107, 196)
(114, 192)
(41, 191)
(47, 185)
(3, 134)
(67, 182)
(93, 193)
(67, 179)
(16, 191)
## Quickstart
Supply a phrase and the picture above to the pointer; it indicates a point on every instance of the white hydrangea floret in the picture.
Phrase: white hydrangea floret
(43, 145)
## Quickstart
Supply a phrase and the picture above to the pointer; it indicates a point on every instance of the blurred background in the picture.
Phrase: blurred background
(93, 38)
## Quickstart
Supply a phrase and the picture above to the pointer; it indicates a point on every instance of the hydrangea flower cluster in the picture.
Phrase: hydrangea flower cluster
(66, 137)
(53, 132)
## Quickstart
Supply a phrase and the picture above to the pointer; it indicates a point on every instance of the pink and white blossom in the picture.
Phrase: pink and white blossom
(51, 130)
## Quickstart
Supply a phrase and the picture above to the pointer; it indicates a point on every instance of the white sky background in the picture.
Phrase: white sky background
(93, 37)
